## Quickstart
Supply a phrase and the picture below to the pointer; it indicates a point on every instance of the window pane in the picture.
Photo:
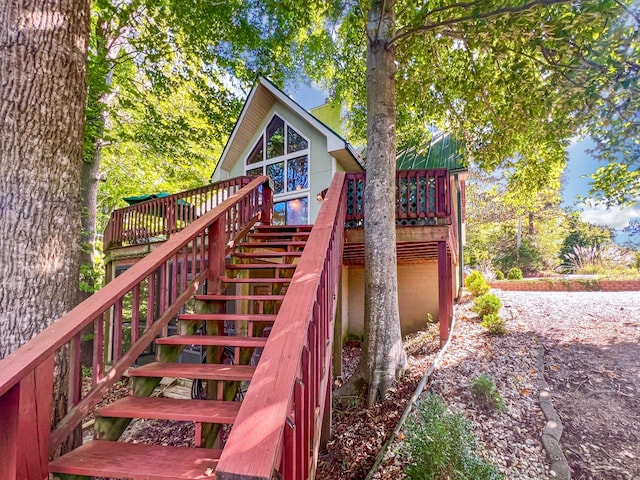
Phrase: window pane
(275, 138)
(276, 172)
(297, 211)
(278, 214)
(297, 173)
(295, 142)
(256, 154)
(255, 171)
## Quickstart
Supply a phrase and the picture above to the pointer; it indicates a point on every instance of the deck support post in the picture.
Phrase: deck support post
(266, 214)
(444, 292)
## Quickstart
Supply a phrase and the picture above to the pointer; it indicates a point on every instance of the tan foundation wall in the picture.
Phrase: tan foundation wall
(417, 297)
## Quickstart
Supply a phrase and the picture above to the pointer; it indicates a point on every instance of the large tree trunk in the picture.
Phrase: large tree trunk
(43, 48)
(383, 357)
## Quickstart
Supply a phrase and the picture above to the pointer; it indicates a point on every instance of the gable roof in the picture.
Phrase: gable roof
(260, 100)
(443, 151)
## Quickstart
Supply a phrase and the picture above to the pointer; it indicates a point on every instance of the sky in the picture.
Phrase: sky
(580, 165)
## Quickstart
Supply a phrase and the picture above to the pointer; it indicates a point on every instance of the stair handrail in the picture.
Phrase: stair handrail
(217, 231)
(290, 393)
(163, 216)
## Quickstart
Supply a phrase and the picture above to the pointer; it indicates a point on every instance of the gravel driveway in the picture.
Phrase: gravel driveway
(591, 343)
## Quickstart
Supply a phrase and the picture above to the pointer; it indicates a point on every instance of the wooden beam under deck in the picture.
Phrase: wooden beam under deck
(414, 244)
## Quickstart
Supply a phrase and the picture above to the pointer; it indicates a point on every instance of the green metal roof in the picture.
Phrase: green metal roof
(444, 151)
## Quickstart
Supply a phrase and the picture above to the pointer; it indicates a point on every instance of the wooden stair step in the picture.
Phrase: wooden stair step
(203, 371)
(277, 234)
(137, 461)
(237, 317)
(273, 244)
(258, 298)
(265, 254)
(255, 280)
(185, 410)
(269, 228)
(258, 266)
(214, 341)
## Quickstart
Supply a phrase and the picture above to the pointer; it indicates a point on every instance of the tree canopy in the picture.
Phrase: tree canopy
(515, 80)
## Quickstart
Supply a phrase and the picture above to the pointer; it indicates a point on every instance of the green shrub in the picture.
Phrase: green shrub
(439, 445)
(472, 277)
(478, 287)
(486, 393)
(486, 305)
(499, 275)
(494, 324)
(514, 274)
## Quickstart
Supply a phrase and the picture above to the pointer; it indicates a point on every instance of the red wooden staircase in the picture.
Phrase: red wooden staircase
(258, 300)
(263, 292)
(268, 250)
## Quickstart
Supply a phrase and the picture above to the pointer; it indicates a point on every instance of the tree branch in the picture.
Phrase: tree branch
(431, 26)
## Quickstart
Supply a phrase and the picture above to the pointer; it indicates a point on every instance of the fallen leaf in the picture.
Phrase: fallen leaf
(525, 391)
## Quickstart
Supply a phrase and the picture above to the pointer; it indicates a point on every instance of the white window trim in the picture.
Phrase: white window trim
(286, 195)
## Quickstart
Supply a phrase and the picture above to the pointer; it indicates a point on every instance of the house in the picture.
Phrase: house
(275, 136)
(260, 263)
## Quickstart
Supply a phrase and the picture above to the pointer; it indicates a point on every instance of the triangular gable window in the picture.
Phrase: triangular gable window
(282, 153)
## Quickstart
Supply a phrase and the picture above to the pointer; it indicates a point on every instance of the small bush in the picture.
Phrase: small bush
(514, 274)
(479, 287)
(472, 277)
(439, 444)
(499, 275)
(494, 324)
(486, 305)
(476, 283)
(486, 393)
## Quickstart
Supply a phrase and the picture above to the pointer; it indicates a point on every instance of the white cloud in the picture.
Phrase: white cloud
(614, 217)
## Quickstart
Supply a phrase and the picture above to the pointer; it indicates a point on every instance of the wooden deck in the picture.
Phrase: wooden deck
(280, 295)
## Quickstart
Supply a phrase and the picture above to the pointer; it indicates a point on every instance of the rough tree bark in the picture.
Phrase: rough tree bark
(383, 357)
(43, 57)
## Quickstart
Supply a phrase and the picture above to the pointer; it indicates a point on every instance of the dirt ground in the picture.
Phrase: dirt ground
(591, 344)
(591, 349)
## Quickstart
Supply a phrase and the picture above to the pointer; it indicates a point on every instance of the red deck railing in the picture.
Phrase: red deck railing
(154, 220)
(278, 428)
(420, 195)
(146, 297)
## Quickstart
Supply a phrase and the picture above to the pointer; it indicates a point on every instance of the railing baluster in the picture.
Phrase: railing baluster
(184, 268)
(151, 298)
(173, 279)
(98, 349)
(75, 371)
(117, 330)
(290, 450)
(135, 314)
